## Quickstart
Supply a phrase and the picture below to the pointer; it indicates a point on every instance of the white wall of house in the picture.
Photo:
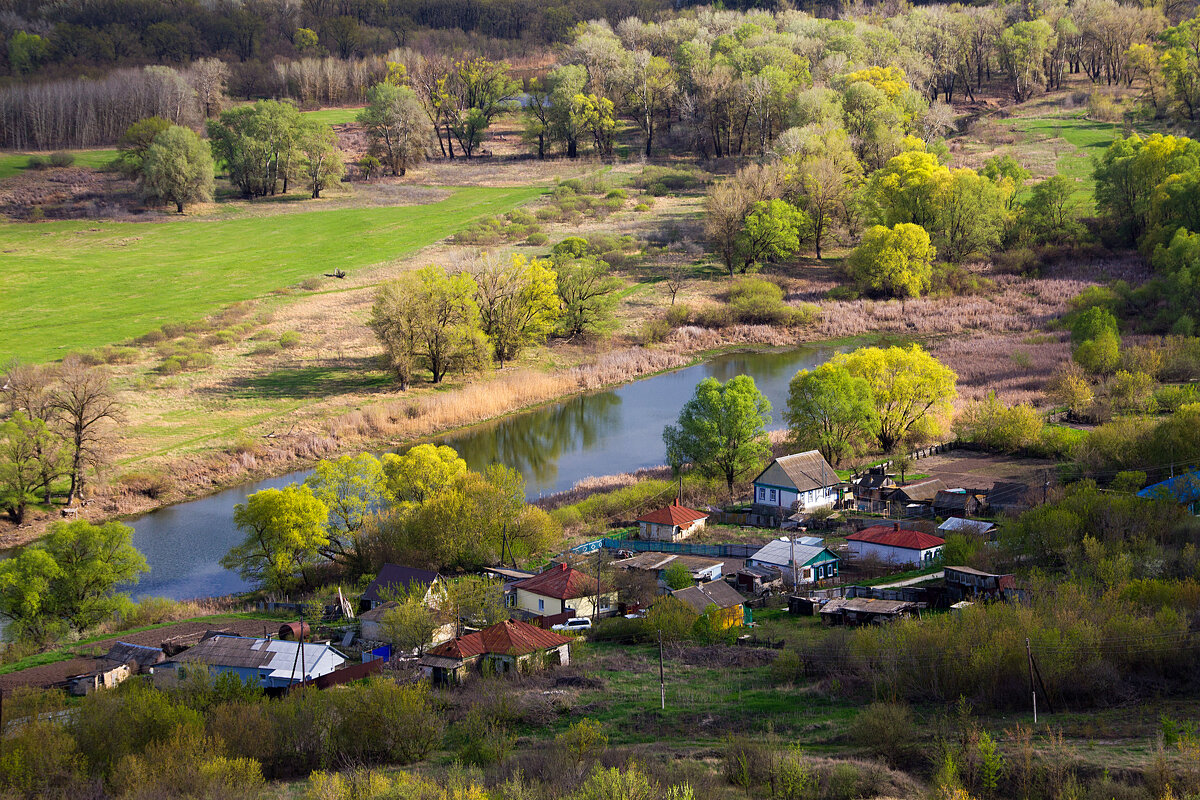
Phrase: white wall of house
(824, 497)
(900, 556)
(668, 533)
(538, 604)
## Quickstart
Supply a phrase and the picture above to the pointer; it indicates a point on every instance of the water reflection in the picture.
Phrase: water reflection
(618, 430)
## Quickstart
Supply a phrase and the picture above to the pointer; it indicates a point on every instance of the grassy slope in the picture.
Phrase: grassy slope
(120, 280)
(12, 163)
(333, 116)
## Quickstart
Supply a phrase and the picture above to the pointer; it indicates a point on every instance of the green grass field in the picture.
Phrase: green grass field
(333, 116)
(1084, 139)
(68, 286)
(12, 163)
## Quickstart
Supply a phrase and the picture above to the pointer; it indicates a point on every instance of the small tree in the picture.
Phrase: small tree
(21, 439)
(320, 158)
(409, 625)
(86, 404)
(894, 261)
(397, 126)
(178, 168)
(830, 410)
(677, 576)
(518, 303)
(136, 141)
(588, 294)
(722, 430)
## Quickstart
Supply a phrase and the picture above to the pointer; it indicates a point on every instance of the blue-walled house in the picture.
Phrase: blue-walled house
(270, 663)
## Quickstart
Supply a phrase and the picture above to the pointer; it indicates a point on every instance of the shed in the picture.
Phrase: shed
(756, 580)
(969, 582)
(729, 604)
(958, 502)
(871, 491)
(371, 629)
(701, 569)
(396, 579)
(920, 492)
(971, 527)
(1009, 496)
(139, 658)
(1183, 490)
(671, 523)
(864, 610)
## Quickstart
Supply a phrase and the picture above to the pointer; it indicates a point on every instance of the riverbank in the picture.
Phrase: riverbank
(408, 419)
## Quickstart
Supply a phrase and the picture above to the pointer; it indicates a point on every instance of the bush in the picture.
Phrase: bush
(714, 317)
(997, 426)
(747, 762)
(289, 339)
(520, 216)
(640, 207)
(678, 315)
(1018, 261)
(537, 239)
(885, 729)
(669, 179)
(654, 331)
(1170, 398)
(37, 163)
(756, 300)
(62, 159)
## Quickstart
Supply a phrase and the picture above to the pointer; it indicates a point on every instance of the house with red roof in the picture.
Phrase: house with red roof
(671, 523)
(507, 647)
(895, 545)
(560, 589)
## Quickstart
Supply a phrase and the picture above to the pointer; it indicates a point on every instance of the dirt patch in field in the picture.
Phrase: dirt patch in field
(970, 470)
(67, 193)
(49, 674)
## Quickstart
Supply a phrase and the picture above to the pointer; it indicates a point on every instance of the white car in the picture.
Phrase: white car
(573, 624)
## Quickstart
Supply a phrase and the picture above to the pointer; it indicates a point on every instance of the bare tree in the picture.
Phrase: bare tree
(29, 389)
(673, 282)
(86, 401)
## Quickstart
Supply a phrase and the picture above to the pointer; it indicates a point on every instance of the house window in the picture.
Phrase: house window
(541, 605)
(762, 494)
(820, 573)
(774, 495)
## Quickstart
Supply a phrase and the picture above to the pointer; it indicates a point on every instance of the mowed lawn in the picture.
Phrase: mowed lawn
(334, 116)
(68, 286)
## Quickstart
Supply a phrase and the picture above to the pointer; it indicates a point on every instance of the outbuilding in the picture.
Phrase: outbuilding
(728, 604)
(269, 663)
(507, 647)
(561, 588)
(812, 562)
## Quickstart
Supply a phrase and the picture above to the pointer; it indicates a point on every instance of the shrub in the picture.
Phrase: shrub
(1018, 261)
(757, 300)
(289, 339)
(997, 426)
(677, 315)
(1170, 398)
(747, 762)
(675, 179)
(654, 331)
(519, 216)
(886, 729)
(616, 194)
(37, 163)
(537, 239)
(714, 317)
(640, 207)
(1132, 392)
(62, 159)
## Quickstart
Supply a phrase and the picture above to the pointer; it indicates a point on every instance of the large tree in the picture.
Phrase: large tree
(894, 261)
(518, 303)
(177, 169)
(421, 472)
(588, 293)
(911, 390)
(830, 410)
(87, 404)
(353, 488)
(722, 429)
(285, 529)
(320, 158)
(773, 229)
(68, 579)
(429, 319)
(397, 126)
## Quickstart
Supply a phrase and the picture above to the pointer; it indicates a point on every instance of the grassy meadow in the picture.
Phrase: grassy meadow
(12, 163)
(120, 279)
(333, 116)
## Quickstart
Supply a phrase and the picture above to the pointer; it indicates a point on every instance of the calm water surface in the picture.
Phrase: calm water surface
(607, 432)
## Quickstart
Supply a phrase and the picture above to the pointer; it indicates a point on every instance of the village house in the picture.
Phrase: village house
(964, 582)
(1009, 497)
(269, 663)
(671, 523)
(701, 569)
(895, 545)
(394, 580)
(506, 647)
(122, 661)
(809, 561)
(371, 625)
(730, 610)
(799, 482)
(562, 589)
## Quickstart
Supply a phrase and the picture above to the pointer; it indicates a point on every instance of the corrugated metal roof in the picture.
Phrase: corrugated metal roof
(962, 525)
(562, 582)
(779, 553)
(866, 604)
(281, 658)
(510, 638)
(895, 536)
(394, 578)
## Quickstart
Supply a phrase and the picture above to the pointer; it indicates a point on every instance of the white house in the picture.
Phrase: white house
(805, 481)
(271, 663)
(671, 523)
(894, 545)
(814, 562)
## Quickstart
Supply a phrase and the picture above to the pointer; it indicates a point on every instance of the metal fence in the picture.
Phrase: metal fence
(682, 548)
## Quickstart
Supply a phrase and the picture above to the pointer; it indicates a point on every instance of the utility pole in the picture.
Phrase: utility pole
(662, 683)
(596, 609)
(1045, 485)
(792, 558)
(1032, 690)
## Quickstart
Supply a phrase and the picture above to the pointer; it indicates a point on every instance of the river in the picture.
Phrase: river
(602, 433)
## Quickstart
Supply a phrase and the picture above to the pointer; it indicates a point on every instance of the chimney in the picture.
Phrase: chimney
(897, 526)
(675, 502)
